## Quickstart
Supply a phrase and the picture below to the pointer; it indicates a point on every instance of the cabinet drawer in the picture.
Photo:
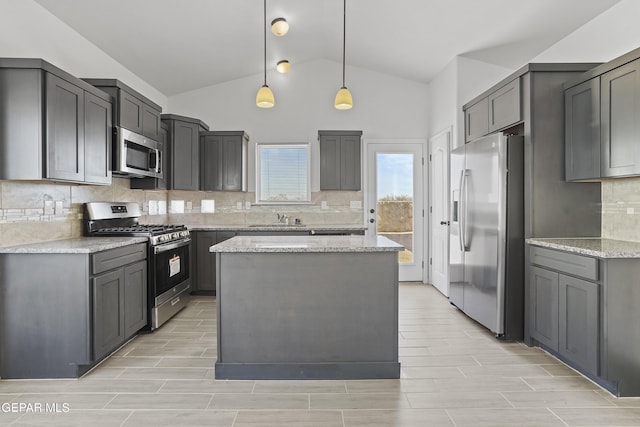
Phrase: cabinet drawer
(576, 265)
(114, 258)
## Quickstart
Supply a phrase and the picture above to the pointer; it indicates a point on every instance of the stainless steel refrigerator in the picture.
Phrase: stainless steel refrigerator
(486, 234)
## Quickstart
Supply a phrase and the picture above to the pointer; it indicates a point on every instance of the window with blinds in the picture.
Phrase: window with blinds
(283, 174)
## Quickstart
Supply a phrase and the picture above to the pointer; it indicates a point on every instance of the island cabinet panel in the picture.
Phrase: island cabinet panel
(63, 313)
(315, 315)
(582, 131)
(620, 90)
(205, 261)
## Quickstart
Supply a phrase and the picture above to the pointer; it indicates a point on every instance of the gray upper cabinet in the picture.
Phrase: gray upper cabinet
(65, 130)
(183, 172)
(54, 126)
(495, 111)
(476, 120)
(223, 160)
(582, 131)
(340, 160)
(133, 111)
(620, 90)
(602, 110)
(504, 106)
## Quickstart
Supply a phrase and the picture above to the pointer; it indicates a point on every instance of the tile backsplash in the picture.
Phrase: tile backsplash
(621, 209)
(32, 211)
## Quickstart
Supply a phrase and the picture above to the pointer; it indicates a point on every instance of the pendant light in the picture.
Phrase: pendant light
(283, 66)
(344, 100)
(264, 98)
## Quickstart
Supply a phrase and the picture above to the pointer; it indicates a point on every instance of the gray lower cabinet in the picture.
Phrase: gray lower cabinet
(54, 126)
(340, 160)
(63, 313)
(205, 261)
(578, 321)
(223, 160)
(119, 306)
(543, 307)
(564, 314)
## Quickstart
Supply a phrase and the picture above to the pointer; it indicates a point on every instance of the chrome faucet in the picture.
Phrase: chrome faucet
(283, 219)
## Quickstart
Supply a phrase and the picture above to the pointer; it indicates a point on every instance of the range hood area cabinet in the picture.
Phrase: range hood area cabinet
(602, 112)
(530, 102)
(340, 160)
(54, 126)
(223, 156)
(183, 152)
(133, 111)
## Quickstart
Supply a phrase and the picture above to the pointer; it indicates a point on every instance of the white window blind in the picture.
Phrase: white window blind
(283, 173)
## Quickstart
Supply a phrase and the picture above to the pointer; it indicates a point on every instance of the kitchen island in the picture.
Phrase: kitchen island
(307, 307)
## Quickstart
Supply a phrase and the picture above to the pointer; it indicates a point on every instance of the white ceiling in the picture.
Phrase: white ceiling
(178, 46)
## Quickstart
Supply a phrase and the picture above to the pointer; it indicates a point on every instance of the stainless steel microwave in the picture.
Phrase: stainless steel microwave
(137, 155)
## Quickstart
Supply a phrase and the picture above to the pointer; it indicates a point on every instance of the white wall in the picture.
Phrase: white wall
(609, 35)
(27, 30)
(384, 107)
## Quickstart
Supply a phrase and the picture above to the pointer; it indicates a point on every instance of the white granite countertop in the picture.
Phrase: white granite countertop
(276, 227)
(596, 247)
(307, 244)
(79, 245)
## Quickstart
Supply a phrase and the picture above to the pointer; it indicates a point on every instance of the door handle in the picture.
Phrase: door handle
(444, 223)
(372, 220)
(372, 210)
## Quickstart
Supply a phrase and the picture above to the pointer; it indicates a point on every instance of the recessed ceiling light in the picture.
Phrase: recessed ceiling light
(279, 27)
(283, 66)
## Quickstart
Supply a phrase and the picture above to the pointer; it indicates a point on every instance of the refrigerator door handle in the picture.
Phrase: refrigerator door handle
(464, 201)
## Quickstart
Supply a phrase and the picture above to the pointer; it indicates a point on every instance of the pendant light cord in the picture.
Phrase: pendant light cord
(265, 42)
(344, 37)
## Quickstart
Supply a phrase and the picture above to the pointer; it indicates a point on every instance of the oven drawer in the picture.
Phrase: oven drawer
(114, 258)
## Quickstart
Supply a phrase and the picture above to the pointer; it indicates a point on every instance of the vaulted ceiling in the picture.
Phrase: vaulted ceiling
(178, 46)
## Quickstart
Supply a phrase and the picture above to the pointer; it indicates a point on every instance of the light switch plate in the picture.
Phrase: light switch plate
(323, 204)
(247, 205)
(189, 206)
(162, 207)
(59, 208)
(355, 204)
(177, 206)
(630, 211)
(239, 205)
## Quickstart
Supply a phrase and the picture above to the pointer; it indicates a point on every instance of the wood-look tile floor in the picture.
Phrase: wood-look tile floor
(454, 373)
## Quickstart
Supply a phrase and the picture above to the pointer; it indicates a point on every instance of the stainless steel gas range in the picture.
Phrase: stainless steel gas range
(168, 255)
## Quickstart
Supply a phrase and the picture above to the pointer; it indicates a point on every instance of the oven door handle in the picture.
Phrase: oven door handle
(170, 246)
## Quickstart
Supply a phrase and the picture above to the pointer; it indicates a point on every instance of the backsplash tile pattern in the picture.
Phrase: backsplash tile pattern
(28, 209)
(621, 209)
